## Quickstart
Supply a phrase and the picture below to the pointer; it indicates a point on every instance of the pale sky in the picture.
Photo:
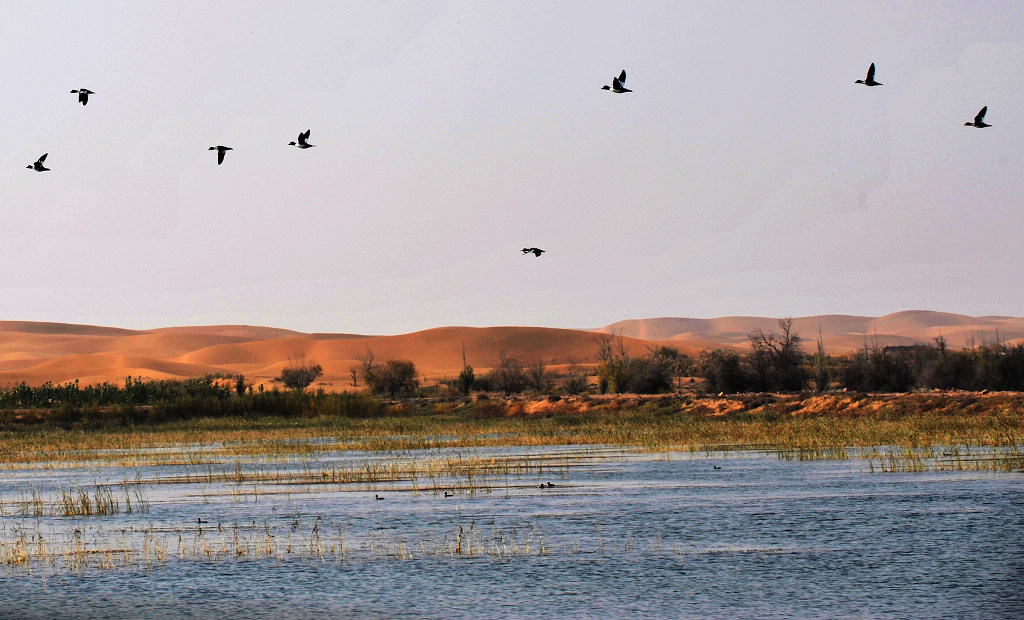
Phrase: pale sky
(746, 174)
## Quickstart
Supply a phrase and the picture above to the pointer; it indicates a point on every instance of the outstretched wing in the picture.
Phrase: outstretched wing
(871, 73)
(980, 118)
(43, 157)
(622, 77)
(616, 84)
(304, 136)
(220, 156)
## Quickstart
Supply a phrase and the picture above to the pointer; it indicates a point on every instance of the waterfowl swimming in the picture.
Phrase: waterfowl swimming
(220, 152)
(375, 496)
(447, 494)
(39, 167)
(83, 95)
(535, 251)
(617, 84)
(870, 79)
(302, 144)
(979, 120)
(200, 520)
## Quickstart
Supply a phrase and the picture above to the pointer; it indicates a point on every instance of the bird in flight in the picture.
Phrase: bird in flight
(979, 120)
(38, 165)
(220, 152)
(83, 95)
(302, 144)
(617, 84)
(870, 79)
(534, 251)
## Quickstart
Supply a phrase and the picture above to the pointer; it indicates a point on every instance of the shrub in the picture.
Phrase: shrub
(392, 378)
(299, 377)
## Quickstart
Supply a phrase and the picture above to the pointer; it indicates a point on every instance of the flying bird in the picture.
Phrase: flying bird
(302, 144)
(39, 167)
(220, 152)
(979, 120)
(870, 79)
(617, 84)
(83, 95)
(535, 251)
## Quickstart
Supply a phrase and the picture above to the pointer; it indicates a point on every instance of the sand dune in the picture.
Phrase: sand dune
(840, 333)
(59, 352)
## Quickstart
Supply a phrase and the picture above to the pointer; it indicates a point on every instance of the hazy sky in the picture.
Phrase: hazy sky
(746, 173)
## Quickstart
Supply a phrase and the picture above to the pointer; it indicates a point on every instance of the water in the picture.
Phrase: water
(620, 534)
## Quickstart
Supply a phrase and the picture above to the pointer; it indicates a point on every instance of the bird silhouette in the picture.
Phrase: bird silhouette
(617, 84)
(220, 152)
(39, 167)
(83, 95)
(870, 79)
(302, 144)
(375, 496)
(447, 494)
(979, 120)
(201, 520)
(535, 251)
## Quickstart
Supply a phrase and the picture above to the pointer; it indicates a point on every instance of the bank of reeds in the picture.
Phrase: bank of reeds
(803, 427)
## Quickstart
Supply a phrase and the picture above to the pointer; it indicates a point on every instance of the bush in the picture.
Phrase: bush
(723, 371)
(466, 379)
(299, 377)
(392, 378)
(508, 377)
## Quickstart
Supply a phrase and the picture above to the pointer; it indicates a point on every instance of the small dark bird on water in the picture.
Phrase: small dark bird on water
(979, 120)
(83, 95)
(548, 485)
(39, 167)
(717, 467)
(534, 251)
(220, 152)
(447, 494)
(200, 520)
(870, 79)
(375, 496)
(302, 144)
(617, 84)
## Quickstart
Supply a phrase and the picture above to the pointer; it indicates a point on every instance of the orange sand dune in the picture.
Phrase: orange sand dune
(59, 352)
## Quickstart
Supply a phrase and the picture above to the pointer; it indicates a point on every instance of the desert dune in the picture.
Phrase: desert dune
(39, 352)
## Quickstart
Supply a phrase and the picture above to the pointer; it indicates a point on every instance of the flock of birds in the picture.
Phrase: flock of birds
(617, 86)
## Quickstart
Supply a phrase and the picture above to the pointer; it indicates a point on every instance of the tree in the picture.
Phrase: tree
(538, 377)
(299, 373)
(466, 379)
(777, 358)
(392, 377)
(575, 381)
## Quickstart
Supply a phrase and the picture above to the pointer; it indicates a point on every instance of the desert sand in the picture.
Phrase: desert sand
(36, 352)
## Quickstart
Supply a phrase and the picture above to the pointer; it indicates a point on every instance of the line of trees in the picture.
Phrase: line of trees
(777, 363)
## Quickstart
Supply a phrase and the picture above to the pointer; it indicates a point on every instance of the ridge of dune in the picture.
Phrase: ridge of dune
(44, 327)
(838, 331)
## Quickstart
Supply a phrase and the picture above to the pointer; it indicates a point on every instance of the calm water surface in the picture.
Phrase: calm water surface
(620, 534)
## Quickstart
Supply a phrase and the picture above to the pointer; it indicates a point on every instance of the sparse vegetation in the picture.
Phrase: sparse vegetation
(299, 373)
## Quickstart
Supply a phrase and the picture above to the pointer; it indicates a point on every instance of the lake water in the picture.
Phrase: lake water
(620, 533)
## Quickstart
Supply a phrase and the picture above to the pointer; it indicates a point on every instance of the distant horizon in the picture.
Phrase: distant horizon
(498, 325)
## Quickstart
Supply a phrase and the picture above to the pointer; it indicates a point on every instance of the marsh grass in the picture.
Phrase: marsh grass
(812, 427)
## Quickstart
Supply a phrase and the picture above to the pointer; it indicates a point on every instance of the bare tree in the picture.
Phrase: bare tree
(575, 381)
(777, 357)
